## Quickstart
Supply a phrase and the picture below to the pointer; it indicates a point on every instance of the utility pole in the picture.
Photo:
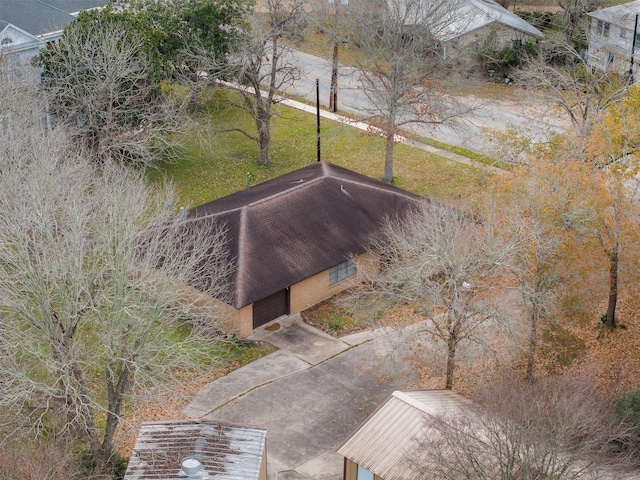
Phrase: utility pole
(318, 117)
(633, 48)
(333, 91)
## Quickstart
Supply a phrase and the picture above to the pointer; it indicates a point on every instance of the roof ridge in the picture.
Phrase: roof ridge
(301, 183)
(396, 191)
(423, 407)
(52, 6)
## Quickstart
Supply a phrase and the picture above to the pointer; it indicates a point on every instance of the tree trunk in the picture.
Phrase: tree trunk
(264, 137)
(452, 344)
(533, 343)
(101, 470)
(613, 288)
(387, 177)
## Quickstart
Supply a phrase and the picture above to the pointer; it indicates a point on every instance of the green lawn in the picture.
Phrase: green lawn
(214, 165)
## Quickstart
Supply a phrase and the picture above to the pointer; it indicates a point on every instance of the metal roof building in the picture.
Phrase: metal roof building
(198, 449)
(383, 443)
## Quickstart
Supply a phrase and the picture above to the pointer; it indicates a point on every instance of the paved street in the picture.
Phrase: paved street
(488, 114)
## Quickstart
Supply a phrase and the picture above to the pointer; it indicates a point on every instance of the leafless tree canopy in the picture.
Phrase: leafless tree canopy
(98, 84)
(442, 262)
(400, 58)
(562, 77)
(261, 65)
(87, 319)
(555, 429)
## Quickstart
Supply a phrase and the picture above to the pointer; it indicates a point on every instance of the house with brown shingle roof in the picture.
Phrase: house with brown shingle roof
(299, 238)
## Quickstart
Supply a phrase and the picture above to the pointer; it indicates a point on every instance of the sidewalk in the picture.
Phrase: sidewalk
(398, 138)
(370, 128)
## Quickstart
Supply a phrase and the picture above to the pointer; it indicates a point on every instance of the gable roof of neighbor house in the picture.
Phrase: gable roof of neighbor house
(475, 14)
(42, 17)
(385, 441)
(294, 226)
(622, 15)
(226, 451)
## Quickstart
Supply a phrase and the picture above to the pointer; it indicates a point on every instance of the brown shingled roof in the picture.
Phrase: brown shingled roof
(294, 226)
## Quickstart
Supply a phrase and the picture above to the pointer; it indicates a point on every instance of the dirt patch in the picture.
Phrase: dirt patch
(343, 315)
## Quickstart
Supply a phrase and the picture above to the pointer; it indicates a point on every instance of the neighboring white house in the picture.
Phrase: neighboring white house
(479, 21)
(28, 25)
(612, 39)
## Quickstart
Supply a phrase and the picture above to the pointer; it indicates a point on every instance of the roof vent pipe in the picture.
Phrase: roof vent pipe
(191, 465)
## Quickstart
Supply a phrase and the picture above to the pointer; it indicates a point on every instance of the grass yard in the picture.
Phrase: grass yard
(214, 165)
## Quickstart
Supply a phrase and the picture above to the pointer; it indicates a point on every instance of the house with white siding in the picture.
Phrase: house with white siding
(614, 39)
(26, 26)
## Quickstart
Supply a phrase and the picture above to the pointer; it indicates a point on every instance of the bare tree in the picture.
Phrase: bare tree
(101, 81)
(261, 65)
(611, 147)
(89, 316)
(443, 263)
(401, 62)
(546, 212)
(559, 429)
(574, 12)
(563, 77)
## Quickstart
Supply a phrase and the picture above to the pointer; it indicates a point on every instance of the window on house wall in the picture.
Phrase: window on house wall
(342, 271)
(611, 58)
(364, 474)
(516, 44)
(602, 28)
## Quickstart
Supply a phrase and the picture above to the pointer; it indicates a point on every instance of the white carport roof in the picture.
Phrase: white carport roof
(383, 443)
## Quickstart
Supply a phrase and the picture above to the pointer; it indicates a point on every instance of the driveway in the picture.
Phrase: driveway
(309, 395)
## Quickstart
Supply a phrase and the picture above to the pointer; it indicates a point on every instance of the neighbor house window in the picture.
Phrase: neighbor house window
(364, 474)
(603, 28)
(342, 271)
(516, 44)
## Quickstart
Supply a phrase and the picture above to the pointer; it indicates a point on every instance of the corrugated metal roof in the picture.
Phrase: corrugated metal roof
(227, 452)
(622, 15)
(385, 440)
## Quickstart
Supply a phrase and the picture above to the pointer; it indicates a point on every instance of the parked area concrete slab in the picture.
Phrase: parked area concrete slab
(264, 370)
(308, 413)
(302, 340)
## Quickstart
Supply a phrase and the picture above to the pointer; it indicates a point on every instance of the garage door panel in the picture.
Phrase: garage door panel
(270, 308)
